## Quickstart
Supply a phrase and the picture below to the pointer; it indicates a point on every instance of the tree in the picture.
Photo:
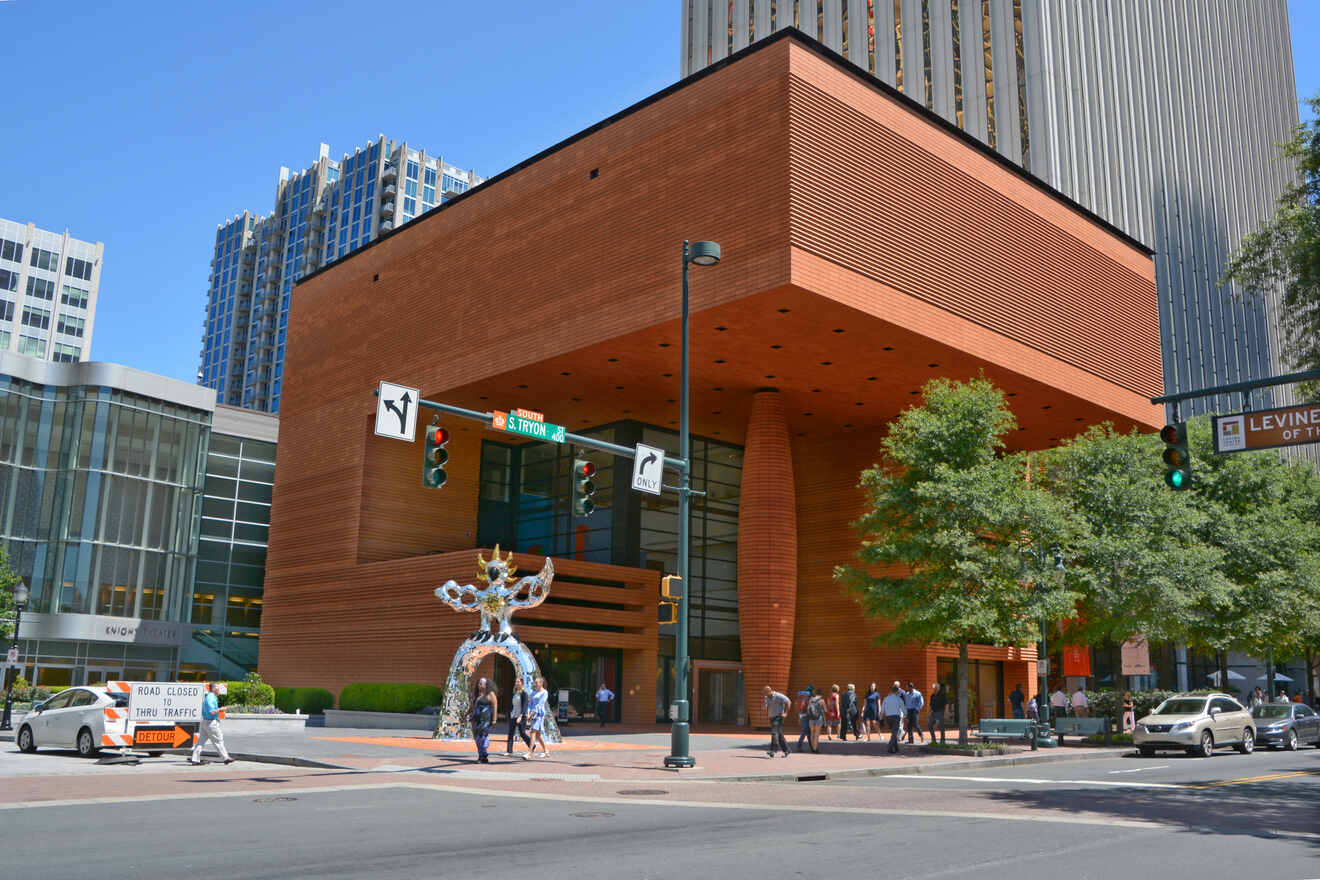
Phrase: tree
(8, 579)
(1285, 252)
(948, 517)
(1140, 564)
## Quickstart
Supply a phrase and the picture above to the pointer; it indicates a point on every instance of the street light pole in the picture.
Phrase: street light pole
(20, 601)
(703, 253)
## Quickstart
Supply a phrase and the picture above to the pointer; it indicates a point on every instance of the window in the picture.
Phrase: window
(4, 340)
(41, 288)
(75, 297)
(6, 310)
(48, 260)
(428, 194)
(412, 170)
(71, 325)
(429, 178)
(8, 280)
(32, 345)
(11, 250)
(34, 317)
(78, 268)
(410, 206)
(410, 188)
(67, 354)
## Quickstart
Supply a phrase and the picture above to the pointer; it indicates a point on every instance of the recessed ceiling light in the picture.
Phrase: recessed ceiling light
(576, 399)
(618, 387)
(826, 363)
(872, 378)
(776, 346)
(613, 360)
(838, 329)
(783, 311)
(1012, 394)
(932, 366)
(808, 414)
(718, 388)
(664, 345)
(721, 328)
(770, 375)
(715, 412)
(719, 360)
(669, 400)
(626, 411)
(1079, 419)
(1047, 406)
(716, 433)
(848, 425)
(914, 392)
(667, 375)
(565, 373)
(523, 385)
(858, 403)
(484, 397)
(887, 348)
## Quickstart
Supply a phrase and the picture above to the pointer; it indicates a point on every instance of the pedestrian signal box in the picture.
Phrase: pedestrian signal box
(671, 587)
(668, 613)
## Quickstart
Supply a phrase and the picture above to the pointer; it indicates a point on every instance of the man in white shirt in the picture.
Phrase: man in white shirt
(1059, 702)
(893, 708)
(1079, 704)
(604, 696)
(776, 707)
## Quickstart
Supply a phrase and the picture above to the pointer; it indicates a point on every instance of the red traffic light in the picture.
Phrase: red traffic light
(586, 469)
(1172, 434)
(438, 436)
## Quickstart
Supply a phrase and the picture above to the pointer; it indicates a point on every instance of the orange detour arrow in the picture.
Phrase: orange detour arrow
(181, 736)
(164, 737)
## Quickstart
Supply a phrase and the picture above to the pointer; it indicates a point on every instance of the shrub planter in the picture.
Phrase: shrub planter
(384, 720)
(243, 724)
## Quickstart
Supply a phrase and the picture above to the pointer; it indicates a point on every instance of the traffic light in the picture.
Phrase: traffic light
(433, 466)
(671, 591)
(583, 487)
(1177, 457)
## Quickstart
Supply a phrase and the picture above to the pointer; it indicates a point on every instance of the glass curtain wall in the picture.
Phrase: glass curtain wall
(231, 554)
(98, 503)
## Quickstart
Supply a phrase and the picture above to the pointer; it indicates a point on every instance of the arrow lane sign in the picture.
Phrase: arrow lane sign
(396, 412)
(401, 413)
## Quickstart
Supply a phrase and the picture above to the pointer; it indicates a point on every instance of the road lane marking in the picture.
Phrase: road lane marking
(1139, 769)
(1244, 780)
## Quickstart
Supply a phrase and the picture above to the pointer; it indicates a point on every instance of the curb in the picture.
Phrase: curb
(285, 760)
(916, 769)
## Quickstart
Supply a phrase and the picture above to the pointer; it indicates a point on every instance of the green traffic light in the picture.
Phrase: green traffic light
(1175, 479)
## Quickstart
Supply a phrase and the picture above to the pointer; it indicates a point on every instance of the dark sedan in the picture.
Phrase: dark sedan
(1286, 724)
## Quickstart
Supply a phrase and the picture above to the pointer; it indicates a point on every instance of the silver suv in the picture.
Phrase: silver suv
(1197, 723)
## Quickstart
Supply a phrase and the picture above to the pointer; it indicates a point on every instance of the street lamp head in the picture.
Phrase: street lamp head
(704, 253)
(20, 593)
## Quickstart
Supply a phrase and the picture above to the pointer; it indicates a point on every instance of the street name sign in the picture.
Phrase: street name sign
(648, 465)
(169, 736)
(1267, 428)
(175, 702)
(396, 412)
(528, 427)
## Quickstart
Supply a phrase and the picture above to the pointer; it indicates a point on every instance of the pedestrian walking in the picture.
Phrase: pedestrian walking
(209, 729)
(938, 700)
(849, 713)
(1059, 702)
(604, 697)
(776, 706)
(914, 701)
(871, 712)
(816, 719)
(537, 707)
(893, 709)
(518, 715)
(1016, 699)
(1129, 713)
(832, 712)
(1079, 705)
(485, 705)
(1033, 710)
(803, 701)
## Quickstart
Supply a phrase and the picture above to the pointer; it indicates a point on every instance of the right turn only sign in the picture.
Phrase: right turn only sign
(648, 466)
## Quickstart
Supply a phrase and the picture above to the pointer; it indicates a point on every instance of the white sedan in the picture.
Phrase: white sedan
(75, 718)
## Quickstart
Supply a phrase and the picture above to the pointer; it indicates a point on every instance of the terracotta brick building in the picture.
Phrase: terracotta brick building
(868, 246)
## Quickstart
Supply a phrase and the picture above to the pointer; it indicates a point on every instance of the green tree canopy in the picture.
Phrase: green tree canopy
(1285, 251)
(948, 516)
(8, 579)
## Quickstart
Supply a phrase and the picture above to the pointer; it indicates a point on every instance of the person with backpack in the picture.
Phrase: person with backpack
(483, 712)
(804, 723)
(816, 719)
(848, 713)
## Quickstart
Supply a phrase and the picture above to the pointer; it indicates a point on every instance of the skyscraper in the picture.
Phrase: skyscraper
(48, 284)
(321, 213)
(1158, 115)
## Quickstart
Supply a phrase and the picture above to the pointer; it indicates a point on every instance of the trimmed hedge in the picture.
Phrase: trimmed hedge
(389, 697)
(1110, 703)
(310, 700)
(248, 693)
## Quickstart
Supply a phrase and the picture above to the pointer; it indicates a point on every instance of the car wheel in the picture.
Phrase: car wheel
(1248, 744)
(1290, 741)
(1146, 751)
(86, 746)
(1207, 747)
(25, 741)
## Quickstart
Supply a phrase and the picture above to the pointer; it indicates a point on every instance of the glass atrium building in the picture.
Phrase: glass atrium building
(321, 214)
(136, 509)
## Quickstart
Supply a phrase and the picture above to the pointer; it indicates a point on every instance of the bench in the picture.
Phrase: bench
(1006, 728)
(1081, 727)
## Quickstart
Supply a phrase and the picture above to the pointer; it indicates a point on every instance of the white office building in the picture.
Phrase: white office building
(48, 284)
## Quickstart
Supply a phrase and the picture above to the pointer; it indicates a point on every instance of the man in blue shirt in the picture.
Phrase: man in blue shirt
(892, 708)
(913, 701)
(209, 729)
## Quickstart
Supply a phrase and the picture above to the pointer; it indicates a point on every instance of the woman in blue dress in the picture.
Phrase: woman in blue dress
(536, 709)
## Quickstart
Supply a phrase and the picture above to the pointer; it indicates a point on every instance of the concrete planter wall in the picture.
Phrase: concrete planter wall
(384, 720)
(250, 725)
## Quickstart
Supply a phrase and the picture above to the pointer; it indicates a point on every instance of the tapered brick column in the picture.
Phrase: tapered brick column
(767, 553)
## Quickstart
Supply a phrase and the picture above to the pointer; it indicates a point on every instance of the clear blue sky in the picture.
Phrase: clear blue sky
(145, 124)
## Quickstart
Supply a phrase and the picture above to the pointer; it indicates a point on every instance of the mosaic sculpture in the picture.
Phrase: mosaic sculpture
(496, 601)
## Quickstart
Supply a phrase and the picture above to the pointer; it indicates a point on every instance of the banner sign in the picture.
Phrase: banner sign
(1134, 656)
(1267, 428)
(1077, 661)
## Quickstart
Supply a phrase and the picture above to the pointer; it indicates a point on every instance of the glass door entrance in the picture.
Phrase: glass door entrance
(985, 689)
(719, 693)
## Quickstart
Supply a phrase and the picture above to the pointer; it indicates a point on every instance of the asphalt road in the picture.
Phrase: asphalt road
(392, 830)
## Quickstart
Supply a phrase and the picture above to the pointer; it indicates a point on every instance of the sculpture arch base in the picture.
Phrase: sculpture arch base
(453, 722)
